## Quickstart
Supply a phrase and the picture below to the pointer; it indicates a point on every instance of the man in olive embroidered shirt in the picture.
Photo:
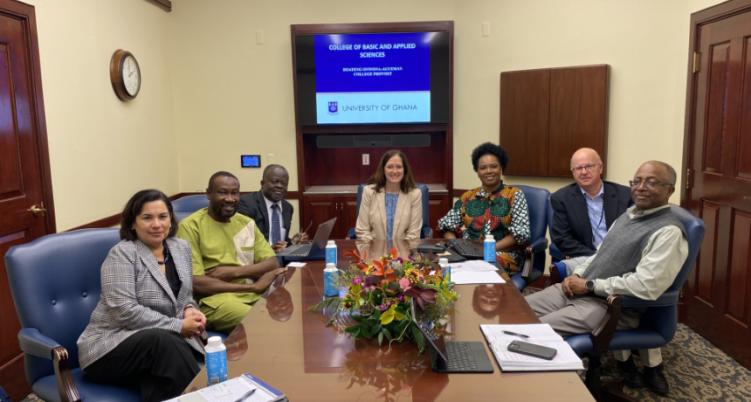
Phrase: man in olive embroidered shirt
(232, 261)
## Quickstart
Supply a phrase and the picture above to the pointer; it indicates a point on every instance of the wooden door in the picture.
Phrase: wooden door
(24, 169)
(718, 177)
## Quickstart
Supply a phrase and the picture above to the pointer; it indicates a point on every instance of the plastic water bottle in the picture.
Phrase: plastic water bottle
(330, 278)
(216, 360)
(488, 249)
(443, 262)
(331, 252)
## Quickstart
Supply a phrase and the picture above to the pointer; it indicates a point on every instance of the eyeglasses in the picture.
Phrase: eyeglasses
(648, 183)
(584, 168)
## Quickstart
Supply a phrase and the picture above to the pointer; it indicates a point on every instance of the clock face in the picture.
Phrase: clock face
(131, 75)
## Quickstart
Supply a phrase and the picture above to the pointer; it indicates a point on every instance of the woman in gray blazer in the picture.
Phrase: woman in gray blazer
(391, 204)
(144, 330)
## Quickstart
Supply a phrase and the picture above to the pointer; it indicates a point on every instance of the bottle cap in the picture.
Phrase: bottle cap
(489, 237)
(214, 341)
(331, 243)
(443, 261)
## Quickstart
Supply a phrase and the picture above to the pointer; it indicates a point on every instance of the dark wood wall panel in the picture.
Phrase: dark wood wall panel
(744, 150)
(704, 270)
(524, 121)
(717, 92)
(343, 166)
(547, 114)
(739, 301)
(578, 114)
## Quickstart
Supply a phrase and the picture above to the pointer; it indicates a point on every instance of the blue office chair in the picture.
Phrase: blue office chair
(55, 282)
(55, 285)
(426, 232)
(186, 205)
(538, 200)
(658, 322)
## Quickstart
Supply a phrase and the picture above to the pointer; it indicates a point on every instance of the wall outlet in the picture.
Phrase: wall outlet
(485, 28)
(365, 159)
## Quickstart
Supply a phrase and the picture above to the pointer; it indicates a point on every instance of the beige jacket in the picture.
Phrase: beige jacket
(371, 219)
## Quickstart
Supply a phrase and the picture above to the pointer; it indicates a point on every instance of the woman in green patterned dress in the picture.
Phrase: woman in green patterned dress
(493, 208)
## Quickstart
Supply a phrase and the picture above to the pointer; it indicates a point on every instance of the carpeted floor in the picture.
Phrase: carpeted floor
(695, 369)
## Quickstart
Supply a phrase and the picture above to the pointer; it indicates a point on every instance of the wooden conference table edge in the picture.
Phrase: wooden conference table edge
(328, 360)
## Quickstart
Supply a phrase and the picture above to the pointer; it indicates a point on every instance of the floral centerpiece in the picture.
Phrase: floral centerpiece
(379, 295)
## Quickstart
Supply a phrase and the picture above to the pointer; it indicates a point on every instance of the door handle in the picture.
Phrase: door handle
(37, 210)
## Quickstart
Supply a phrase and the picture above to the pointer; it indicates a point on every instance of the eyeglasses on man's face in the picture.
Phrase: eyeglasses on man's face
(587, 167)
(648, 183)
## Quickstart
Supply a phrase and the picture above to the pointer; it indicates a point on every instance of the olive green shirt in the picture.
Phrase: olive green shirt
(214, 243)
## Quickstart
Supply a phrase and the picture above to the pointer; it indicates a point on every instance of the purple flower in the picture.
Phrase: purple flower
(356, 280)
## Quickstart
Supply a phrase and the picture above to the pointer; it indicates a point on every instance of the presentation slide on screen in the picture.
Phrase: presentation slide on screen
(372, 78)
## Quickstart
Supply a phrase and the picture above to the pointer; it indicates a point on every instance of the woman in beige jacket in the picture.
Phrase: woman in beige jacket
(391, 205)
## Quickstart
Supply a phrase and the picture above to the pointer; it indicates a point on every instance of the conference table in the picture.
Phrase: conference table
(293, 349)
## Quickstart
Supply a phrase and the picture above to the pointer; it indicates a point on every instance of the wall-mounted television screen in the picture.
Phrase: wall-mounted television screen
(373, 78)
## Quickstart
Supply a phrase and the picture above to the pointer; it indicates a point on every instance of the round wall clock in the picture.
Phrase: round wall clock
(125, 75)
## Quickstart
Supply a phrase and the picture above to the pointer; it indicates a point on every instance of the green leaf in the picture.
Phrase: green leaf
(385, 332)
(380, 337)
(388, 315)
(418, 337)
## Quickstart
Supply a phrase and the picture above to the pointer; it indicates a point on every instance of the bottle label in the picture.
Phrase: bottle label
(330, 278)
(216, 366)
(489, 251)
(331, 255)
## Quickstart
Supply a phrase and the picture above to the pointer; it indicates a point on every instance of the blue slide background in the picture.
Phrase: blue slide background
(331, 65)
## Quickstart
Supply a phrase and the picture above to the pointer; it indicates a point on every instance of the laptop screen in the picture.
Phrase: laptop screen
(431, 338)
(323, 232)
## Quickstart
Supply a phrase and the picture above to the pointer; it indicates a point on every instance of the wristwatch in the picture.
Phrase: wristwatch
(590, 286)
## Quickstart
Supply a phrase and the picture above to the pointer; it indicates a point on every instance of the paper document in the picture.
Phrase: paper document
(473, 266)
(296, 264)
(463, 277)
(500, 335)
(245, 388)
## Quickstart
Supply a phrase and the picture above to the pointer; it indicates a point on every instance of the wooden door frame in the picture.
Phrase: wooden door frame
(717, 12)
(27, 14)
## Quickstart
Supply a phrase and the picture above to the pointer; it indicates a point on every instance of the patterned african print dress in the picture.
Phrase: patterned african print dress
(500, 213)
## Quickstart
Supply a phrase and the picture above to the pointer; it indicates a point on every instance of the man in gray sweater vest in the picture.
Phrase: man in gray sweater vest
(640, 256)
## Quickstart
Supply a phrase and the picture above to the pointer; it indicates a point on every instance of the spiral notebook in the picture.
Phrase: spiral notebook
(245, 388)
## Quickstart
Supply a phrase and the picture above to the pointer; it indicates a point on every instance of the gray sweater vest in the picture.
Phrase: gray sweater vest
(621, 250)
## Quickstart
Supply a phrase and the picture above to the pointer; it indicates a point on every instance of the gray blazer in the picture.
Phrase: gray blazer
(136, 296)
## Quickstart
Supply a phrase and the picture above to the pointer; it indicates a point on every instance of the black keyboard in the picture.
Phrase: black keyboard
(298, 250)
(461, 356)
(467, 248)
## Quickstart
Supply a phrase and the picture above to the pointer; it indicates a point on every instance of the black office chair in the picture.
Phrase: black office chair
(426, 232)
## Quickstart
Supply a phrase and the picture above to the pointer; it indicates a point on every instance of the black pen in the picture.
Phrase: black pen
(246, 395)
(516, 334)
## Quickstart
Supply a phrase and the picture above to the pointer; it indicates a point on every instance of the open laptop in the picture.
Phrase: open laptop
(314, 250)
(453, 356)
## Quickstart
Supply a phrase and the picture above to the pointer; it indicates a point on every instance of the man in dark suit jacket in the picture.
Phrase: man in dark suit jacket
(580, 217)
(258, 205)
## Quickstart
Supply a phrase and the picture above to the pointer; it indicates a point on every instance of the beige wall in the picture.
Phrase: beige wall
(213, 91)
(101, 149)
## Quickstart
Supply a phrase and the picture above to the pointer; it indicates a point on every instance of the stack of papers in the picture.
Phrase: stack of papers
(245, 388)
(474, 271)
(500, 335)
